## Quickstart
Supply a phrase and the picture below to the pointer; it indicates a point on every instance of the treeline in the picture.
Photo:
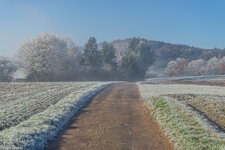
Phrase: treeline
(47, 57)
(165, 52)
(7, 68)
(183, 67)
(179, 60)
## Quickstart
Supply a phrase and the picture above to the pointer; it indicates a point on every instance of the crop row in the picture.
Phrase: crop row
(35, 132)
(14, 91)
(184, 126)
(212, 106)
(12, 112)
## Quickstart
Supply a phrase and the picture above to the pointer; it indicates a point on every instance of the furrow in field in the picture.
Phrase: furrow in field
(36, 131)
(185, 126)
(212, 107)
(19, 110)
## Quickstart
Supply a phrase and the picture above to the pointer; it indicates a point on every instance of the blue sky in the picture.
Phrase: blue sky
(198, 23)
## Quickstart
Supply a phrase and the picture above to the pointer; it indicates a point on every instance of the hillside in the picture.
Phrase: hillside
(165, 52)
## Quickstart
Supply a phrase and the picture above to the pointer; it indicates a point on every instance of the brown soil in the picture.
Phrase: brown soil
(206, 108)
(115, 119)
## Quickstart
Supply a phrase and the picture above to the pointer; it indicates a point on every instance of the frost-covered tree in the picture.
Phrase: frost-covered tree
(222, 65)
(180, 67)
(72, 66)
(47, 57)
(176, 67)
(138, 57)
(7, 68)
(212, 66)
(132, 66)
(195, 67)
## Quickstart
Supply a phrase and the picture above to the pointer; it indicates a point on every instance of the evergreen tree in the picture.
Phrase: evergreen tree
(108, 55)
(91, 56)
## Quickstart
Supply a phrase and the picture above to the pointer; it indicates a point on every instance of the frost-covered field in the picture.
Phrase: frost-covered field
(211, 106)
(209, 78)
(163, 89)
(188, 127)
(33, 113)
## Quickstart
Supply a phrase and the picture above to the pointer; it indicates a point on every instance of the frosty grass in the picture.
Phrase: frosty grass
(34, 133)
(187, 129)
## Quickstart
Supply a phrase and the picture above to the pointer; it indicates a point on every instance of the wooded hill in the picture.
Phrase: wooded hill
(165, 52)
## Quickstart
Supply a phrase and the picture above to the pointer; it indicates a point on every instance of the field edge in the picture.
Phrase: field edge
(35, 132)
(184, 131)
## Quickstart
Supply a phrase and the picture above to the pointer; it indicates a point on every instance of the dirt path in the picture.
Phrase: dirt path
(113, 120)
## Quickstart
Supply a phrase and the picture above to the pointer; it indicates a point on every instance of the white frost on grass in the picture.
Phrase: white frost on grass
(164, 89)
(35, 132)
(185, 128)
(15, 111)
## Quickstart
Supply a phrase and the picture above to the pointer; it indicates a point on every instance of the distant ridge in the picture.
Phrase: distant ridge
(166, 52)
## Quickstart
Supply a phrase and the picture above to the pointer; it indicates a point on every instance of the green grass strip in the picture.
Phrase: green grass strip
(185, 130)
